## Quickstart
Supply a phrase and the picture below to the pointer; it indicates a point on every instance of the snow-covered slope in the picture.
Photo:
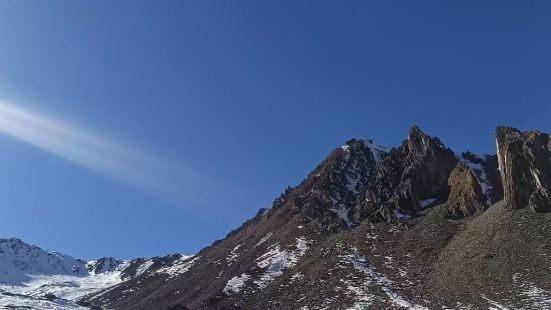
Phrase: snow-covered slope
(35, 278)
(18, 260)
(17, 301)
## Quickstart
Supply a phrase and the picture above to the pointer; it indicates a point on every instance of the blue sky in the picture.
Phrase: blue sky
(235, 100)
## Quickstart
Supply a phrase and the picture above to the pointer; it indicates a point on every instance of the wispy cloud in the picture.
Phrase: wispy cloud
(131, 166)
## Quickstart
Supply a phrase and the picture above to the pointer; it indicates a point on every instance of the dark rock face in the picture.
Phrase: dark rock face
(466, 197)
(524, 162)
(416, 171)
(103, 264)
(329, 192)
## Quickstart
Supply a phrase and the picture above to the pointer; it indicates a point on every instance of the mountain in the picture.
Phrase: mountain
(32, 277)
(413, 175)
(526, 168)
(416, 226)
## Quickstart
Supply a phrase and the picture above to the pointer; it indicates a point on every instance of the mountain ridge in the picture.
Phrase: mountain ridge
(417, 226)
(29, 274)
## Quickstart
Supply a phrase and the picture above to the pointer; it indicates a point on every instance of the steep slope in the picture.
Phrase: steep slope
(502, 256)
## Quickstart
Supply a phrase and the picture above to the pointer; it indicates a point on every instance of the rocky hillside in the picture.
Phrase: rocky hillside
(417, 226)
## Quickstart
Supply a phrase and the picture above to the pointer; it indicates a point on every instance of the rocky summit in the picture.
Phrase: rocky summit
(417, 226)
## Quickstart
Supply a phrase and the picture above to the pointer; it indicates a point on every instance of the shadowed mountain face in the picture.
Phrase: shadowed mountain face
(416, 227)
(329, 193)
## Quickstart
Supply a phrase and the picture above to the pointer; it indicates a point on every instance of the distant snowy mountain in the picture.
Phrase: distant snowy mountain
(34, 278)
(18, 260)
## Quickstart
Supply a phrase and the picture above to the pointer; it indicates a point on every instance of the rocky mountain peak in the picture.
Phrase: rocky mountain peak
(330, 191)
(418, 143)
(412, 174)
(103, 264)
(525, 166)
(416, 136)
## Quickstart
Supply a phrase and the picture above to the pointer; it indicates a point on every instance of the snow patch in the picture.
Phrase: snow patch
(144, 267)
(264, 239)
(235, 284)
(179, 266)
(427, 202)
(297, 277)
(11, 301)
(480, 174)
(364, 292)
(69, 287)
(233, 254)
(400, 216)
(379, 152)
(276, 260)
(342, 212)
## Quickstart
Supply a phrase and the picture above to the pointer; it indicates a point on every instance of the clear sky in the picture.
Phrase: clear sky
(131, 128)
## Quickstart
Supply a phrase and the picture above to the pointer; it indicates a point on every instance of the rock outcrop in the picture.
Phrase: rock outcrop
(486, 170)
(474, 184)
(524, 162)
(411, 176)
(466, 197)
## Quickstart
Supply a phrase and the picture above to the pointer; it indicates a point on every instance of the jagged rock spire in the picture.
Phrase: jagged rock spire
(416, 171)
(524, 163)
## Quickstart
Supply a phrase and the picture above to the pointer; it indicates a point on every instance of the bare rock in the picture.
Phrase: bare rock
(466, 197)
(524, 162)
(416, 171)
